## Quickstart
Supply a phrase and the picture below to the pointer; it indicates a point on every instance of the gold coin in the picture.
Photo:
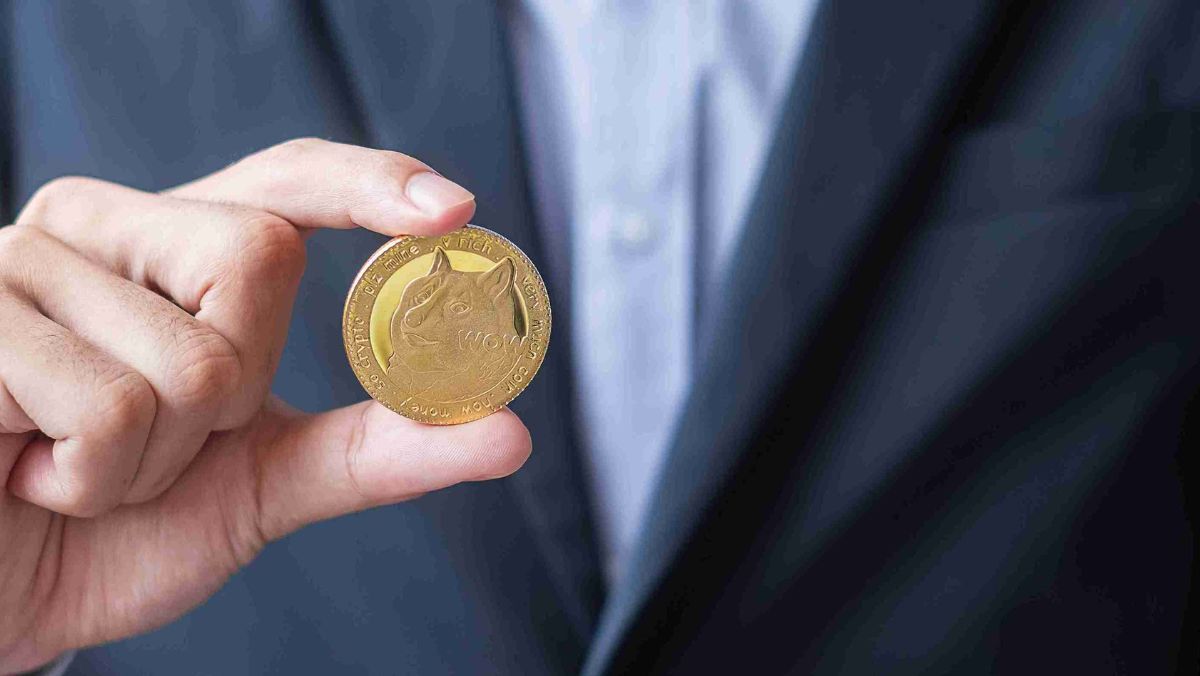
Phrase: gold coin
(447, 329)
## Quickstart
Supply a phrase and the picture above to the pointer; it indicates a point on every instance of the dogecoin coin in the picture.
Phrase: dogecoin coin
(447, 329)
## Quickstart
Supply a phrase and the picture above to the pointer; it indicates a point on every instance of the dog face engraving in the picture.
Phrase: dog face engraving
(454, 332)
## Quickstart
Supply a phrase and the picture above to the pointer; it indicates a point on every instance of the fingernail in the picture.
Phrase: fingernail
(435, 195)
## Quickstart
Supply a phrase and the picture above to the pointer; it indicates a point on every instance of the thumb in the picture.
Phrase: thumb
(316, 467)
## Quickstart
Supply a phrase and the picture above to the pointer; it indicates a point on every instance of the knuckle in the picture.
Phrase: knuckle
(297, 147)
(268, 243)
(204, 369)
(54, 192)
(125, 400)
(144, 489)
(392, 164)
(87, 500)
(18, 242)
(22, 252)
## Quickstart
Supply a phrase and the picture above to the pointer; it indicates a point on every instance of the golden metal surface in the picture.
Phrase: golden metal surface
(448, 329)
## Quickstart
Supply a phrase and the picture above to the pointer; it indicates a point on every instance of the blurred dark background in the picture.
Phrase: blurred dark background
(940, 413)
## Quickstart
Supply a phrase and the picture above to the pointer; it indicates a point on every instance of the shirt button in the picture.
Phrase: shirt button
(634, 232)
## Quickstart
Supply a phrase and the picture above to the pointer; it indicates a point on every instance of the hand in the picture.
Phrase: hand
(144, 461)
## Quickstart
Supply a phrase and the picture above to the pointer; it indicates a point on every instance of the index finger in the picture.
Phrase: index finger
(314, 183)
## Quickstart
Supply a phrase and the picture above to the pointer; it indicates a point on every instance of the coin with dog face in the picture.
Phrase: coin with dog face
(447, 329)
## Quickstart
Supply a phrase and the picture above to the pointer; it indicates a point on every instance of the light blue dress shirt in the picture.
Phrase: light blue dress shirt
(646, 124)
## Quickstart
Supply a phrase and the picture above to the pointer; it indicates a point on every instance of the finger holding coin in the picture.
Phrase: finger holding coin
(314, 183)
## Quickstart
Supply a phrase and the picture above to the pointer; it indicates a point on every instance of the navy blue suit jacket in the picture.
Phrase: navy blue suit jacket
(946, 401)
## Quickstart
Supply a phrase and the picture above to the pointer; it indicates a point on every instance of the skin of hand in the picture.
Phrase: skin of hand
(143, 459)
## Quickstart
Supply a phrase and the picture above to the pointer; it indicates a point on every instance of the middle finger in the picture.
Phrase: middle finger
(190, 367)
(234, 269)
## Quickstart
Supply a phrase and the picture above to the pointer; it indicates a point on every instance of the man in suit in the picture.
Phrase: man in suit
(876, 341)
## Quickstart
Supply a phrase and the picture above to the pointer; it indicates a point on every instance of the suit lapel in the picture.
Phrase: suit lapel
(432, 80)
(869, 88)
